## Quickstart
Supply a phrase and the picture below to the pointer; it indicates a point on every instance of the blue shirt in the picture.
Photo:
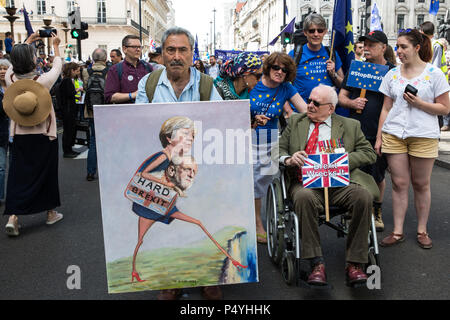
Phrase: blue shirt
(165, 93)
(312, 70)
(8, 45)
(269, 102)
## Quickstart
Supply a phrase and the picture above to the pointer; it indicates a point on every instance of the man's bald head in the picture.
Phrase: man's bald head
(323, 103)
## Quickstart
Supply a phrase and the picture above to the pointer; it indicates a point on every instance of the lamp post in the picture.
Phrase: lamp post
(65, 29)
(47, 26)
(11, 18)
(211, 47)
(214, 11)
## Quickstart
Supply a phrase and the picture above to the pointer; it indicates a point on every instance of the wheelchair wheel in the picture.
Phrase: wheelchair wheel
(274, 236)
(288, 268)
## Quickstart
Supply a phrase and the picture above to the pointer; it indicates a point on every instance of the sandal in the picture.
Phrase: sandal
(12, 227)
(56, 217)
(261, 238)
(424, 240)
(392, 239)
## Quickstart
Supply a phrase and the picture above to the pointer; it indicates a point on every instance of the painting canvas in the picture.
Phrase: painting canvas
(176, 187)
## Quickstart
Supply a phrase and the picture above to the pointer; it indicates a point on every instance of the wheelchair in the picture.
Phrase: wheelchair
(283, 235)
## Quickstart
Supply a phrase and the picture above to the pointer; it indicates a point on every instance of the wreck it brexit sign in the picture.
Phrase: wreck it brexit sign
(150, 194)
(327, 170)
(365, 75)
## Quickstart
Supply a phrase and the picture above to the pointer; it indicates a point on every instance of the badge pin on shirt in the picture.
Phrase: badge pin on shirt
(130, 78)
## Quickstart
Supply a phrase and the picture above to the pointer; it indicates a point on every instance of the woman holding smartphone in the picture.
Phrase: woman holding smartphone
(415, 94)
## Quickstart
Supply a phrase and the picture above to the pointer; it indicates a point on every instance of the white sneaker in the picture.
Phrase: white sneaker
(56, 217)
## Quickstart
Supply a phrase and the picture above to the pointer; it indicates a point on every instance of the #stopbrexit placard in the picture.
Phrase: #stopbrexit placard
(366, 75)
(326, 170)
(176, 188)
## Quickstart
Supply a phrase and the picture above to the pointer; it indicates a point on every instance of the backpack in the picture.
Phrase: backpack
(205, 88)
(95, 88)
(120, 68)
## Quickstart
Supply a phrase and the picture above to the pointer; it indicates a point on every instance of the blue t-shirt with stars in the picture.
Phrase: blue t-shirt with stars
(269, 102)
(312, 70)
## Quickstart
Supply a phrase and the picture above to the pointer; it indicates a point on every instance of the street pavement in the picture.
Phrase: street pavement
(34, 265)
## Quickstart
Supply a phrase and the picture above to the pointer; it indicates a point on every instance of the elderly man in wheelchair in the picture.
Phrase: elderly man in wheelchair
(301, 137)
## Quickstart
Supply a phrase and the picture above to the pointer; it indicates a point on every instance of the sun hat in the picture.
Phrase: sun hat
(27, 102)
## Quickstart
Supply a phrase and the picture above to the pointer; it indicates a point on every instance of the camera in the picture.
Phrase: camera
(46, 33)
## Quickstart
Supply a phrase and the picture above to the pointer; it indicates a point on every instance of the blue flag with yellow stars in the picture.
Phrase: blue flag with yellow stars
(434, 7)
(196, 52)
(343, 29)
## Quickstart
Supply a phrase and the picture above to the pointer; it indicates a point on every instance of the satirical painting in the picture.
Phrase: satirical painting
(176, 190)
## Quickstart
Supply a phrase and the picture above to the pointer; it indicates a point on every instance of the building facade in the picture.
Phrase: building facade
(109, 20)
(257, 22)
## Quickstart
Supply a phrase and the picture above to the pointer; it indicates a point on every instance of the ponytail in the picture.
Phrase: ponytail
(415, 37)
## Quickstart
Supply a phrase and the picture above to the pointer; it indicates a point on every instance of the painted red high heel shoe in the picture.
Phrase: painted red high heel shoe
(238, 265)
(135, 275)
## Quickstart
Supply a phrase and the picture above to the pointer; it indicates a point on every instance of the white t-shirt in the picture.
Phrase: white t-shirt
(404, 120)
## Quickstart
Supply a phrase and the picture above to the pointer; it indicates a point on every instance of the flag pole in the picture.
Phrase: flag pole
(332, 45)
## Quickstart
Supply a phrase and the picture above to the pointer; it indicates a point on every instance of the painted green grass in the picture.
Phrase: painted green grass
(197, 264)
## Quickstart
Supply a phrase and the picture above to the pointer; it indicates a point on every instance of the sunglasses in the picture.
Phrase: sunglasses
(134, 47)
(276, 68)
(404, 31)
(312, 31)
(316, 104)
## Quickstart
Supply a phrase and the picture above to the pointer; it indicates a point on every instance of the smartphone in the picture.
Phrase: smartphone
(46, 33)
(409, 88)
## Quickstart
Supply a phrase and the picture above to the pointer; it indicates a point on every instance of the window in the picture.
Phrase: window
(41, 9)
(9, 4)
(420, 19)
(327, 19)
(401, 0)
(400, 21)
(421, 1)
(101, 11)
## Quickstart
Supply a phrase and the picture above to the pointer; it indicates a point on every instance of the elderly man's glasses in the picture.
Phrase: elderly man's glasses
(316, 104)
(276, 68)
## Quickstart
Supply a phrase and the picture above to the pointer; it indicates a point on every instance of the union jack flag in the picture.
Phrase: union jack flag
(326, 170)
(152, 44)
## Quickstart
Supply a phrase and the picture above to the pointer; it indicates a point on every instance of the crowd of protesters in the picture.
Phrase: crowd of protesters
(402, 128)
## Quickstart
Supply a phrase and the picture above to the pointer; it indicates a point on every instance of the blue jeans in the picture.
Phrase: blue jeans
(2, 172)
(92, 153)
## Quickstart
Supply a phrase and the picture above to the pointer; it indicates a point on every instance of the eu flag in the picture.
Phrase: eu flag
(434, 7)
(343, 29)
(196, 52)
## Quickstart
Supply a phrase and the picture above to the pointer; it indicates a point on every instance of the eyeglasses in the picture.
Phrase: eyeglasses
(404, 31)
(276, 68)
(312, 31)
(134, 47)
(316, 104)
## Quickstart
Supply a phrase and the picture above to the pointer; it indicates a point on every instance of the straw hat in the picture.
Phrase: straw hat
(27, 102)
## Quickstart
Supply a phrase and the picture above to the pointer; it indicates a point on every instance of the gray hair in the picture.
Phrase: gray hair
(177, 31)
(5, 63)
(99, 54)
(330, 92)
(316, 19)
